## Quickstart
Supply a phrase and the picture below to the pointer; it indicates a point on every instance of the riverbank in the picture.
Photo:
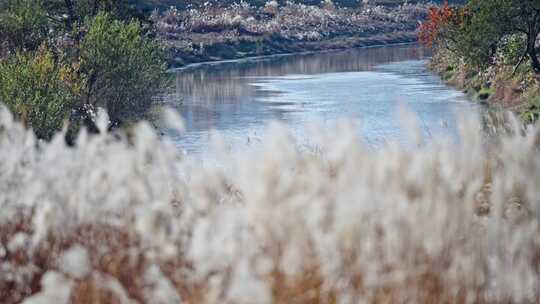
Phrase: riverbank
(242, 31)
(374, 42)
(508, 86)
(251, 48)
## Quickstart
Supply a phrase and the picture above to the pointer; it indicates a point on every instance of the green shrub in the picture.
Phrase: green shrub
(511, 48)
(124, 67)
(118, 66)
(23, 24)
(484, 93)
(39, 89)
(532, 112)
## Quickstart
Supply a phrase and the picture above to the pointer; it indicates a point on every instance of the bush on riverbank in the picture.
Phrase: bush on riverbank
(125, 69)
(40, 89)
(107, 221)
(60, 60)
(488, 49)
(23, 25)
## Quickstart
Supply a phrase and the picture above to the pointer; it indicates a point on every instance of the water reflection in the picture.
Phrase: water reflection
(228, 81)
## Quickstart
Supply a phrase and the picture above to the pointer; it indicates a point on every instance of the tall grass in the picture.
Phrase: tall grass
(118, 220)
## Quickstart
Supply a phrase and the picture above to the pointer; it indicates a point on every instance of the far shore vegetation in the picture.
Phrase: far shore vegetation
(244, 29)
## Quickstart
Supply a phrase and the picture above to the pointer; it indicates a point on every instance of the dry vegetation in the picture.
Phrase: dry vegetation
(241, 29)
(113, 220)
(295, 21)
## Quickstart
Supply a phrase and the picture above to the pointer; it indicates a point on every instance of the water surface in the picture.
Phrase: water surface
(370, 87)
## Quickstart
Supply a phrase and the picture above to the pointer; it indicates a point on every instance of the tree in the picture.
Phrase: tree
(39, 89)
(439, 26)
(61, 59)
(124, 67)
(23, 24)
(488, 21)
(77, 10)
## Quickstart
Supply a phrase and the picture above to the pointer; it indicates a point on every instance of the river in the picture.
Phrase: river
(370, 87)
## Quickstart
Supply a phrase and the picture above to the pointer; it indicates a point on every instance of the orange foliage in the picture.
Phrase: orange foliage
(429, 31)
